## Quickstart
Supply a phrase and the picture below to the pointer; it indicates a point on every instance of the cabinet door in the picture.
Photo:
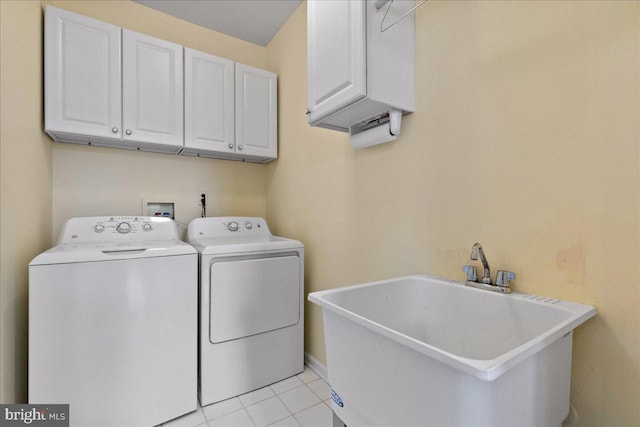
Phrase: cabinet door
(256, 112)
(82, 76)
(336, 55)
(209, 107)
(152, 91)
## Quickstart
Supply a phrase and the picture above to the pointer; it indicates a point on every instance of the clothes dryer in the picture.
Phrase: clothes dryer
(251, 306)
(113, 322)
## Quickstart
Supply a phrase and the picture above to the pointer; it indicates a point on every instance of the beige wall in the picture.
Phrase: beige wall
(44, 183)
(525, 138)
(25, 182)
(91, 181)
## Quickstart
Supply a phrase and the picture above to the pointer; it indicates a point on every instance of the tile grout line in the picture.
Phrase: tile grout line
(249, 415)
(293, 414)
(304, 409)
(305, 385)
(276, 394)
(312, 406)
(285, 407)
(319, 397)
(244, 408)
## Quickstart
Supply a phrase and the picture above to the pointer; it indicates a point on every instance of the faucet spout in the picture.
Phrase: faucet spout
(477, 251)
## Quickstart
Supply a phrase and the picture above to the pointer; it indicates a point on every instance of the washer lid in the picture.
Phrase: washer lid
(110, 251)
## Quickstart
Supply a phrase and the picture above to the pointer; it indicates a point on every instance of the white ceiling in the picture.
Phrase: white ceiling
(256, 21)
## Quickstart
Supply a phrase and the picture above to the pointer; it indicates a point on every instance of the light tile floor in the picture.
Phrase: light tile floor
(302, 400)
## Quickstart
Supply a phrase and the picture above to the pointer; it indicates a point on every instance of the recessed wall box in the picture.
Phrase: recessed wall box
(359, 75)
(160, 209)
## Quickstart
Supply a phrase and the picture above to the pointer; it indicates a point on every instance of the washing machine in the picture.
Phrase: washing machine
(251, 328)
(113, 322)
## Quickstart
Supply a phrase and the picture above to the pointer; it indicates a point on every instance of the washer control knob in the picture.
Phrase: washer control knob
(146, 227)
(233, 226)
(123, 228)
(98, 228)
(248, 225)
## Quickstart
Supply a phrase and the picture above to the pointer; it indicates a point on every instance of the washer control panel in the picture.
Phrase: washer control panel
(228, 227)
(123, 225)
(117, 228)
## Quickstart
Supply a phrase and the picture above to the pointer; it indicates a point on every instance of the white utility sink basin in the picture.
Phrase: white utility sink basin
(422, 350)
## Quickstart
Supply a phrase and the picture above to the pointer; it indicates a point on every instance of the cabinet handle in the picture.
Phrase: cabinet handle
(128, 132)
(239, 147)
(231, 146)
(114, 130)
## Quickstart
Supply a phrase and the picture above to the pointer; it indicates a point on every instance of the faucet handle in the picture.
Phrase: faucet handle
(472, 273)
(503, 278)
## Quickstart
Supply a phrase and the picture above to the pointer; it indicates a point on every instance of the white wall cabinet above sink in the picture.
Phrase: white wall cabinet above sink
(337, 56)
(360, 78)
(109, 86)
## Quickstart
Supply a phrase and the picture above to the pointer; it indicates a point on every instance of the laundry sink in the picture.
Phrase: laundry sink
(422, 350)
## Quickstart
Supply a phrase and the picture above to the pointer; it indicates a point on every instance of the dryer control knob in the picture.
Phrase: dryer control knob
(233, 226)
(98, 228)
(123, 228)
(146, 227)
(248, 225)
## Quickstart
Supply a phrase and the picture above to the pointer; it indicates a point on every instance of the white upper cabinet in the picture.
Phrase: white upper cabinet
(336, 52)
(359, 75)
(256, 113)
(209, 107)
(152, 93)
(109, 86)
(230, 109)
(82, 78)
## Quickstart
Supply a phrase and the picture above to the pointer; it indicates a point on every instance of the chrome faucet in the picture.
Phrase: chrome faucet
(503, 278)
(475, 251)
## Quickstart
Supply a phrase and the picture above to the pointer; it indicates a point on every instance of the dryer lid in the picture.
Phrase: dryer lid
(232, 245)
(222, 235)
(221, 227)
